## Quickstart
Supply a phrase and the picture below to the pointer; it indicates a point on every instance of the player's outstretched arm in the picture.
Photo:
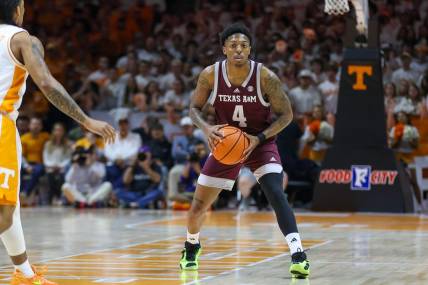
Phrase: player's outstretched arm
(199, 99)
(279, 102)
(30, 50)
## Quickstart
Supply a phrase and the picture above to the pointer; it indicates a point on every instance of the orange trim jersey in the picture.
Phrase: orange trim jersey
(12, 88)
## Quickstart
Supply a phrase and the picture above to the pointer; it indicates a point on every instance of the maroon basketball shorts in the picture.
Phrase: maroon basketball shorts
(263, 160)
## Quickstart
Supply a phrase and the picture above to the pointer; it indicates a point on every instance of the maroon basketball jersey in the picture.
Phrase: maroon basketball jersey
(240, 106)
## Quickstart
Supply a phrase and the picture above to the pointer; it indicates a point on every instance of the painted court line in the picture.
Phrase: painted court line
(94, 251)
(253, 264)
(134, 225)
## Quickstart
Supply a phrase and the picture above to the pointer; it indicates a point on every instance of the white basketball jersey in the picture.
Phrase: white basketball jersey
(12, 74)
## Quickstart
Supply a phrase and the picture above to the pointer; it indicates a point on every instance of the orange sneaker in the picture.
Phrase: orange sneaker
(38, 279)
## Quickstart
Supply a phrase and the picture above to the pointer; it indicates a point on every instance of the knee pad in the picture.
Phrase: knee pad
(13, 238)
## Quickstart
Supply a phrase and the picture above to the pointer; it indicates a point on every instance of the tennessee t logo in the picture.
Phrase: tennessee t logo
(6, 173)
(360, 71)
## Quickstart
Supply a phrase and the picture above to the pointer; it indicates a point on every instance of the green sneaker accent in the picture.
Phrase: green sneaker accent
(300, 269)
(190, 257)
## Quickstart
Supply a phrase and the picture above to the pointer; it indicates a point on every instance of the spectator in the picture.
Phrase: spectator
(84, 184)
(404, 138)
(249, 190)
(318, 135)
(153, 94)
(160, 146)
(305, 97)
(23, 124)
(141, 180)
(143, 78)
(420, 64)
(144, 130)
(171, 125)
(116, 86)
(297, 169)
(56, 157)
(405, 72)
(122, 62)
(391, 100)
(191, 172)
(289, 78)
(288, 142)
(330, 90)
(176, 97)
(411, 103)
(105, 98)
(32, 151)
(176, 48)
(246, 182)
(120, 153)
(317, 71)
(100, 76)
(139, 103)
(423, 82)
(403, 88)
(182, 147)
(126, 144)
(168, 79)
(149, 52)
(390, 93)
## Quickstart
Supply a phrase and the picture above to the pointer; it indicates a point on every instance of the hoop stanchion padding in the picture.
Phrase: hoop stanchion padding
(360, 172)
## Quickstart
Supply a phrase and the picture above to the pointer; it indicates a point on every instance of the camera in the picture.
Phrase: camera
(194, 157)
(80, 156)
(142, 156)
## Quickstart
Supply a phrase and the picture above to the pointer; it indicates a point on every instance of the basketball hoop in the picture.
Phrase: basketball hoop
(336, 7)
(341, 7)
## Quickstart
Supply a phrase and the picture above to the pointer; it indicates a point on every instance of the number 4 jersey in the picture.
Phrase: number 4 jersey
(240, 106)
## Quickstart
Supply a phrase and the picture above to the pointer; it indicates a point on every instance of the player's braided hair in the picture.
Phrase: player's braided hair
(7, 9)
(235, 28)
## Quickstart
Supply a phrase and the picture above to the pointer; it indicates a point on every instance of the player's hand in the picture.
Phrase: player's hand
(254, 141)
(213, 134)
(101, 128)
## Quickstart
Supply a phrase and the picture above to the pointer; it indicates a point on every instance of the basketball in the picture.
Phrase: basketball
(231, 148)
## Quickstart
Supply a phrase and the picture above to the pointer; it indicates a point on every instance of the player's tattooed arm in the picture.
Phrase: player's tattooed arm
(33, 58)
(279, 102)
(199, 101)
(200, 97)
(29, 51)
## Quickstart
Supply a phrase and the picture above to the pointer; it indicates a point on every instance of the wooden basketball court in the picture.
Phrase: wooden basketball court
(143, 247)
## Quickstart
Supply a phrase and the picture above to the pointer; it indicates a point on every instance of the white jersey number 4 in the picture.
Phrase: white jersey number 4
(238, 116)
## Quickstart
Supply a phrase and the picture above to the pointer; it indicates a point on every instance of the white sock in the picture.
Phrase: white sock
(193, 238)
(294, 243)
(26, 269)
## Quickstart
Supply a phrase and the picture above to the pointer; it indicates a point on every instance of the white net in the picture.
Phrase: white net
(340, 7)
(336, 7)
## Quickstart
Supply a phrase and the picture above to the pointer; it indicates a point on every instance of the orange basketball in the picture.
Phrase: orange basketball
(231, 148)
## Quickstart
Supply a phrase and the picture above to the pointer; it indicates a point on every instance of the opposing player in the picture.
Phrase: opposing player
(20, 55)
(244, 94)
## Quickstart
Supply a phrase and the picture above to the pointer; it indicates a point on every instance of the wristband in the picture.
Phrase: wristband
(261, 138)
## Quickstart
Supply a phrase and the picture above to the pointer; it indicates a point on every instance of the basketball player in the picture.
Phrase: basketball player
(244, 95)
(20, 55)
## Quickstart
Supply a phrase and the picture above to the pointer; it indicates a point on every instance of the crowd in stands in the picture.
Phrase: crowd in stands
(135, 64)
